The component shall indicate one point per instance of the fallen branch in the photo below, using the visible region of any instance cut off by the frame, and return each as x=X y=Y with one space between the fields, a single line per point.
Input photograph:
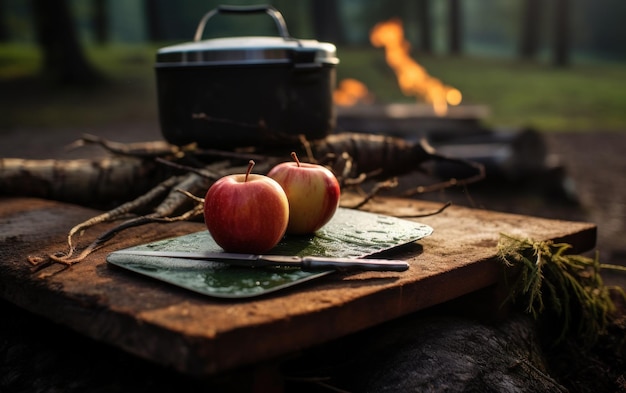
x=149 y=149
x=197 y=210
x=82 y=181
x=173 y=202
x=122 y=210
x=386 y=185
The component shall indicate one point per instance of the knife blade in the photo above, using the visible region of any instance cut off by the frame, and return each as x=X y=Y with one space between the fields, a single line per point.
x=254 y=260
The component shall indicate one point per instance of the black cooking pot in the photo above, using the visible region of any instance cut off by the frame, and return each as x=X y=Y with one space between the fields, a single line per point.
x=246 y=91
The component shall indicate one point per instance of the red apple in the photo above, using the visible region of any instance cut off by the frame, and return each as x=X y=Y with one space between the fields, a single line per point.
x=313 y=193
x=246 y=213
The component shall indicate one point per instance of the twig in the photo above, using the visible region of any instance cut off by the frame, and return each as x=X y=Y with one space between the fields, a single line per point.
x=438 y=211
x=108 y=235
x=122 y=210
x=306 y=145
x=386 y=185
x=204 y=172
x=138 y=149
x=162 y=213
x=245 y=156
x=480 y=175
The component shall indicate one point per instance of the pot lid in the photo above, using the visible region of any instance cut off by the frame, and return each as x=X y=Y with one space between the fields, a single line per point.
x=249 y=50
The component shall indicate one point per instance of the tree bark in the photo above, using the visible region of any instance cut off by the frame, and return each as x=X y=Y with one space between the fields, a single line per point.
x=454 y=27
x=4 y=31
x=561 y=33
x=155 y=32
x=63 y=59
x=433 y=353
x=531 y=18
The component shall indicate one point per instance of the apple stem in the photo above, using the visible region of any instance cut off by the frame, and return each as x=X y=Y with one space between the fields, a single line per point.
x=295 y=157
x=250 y=166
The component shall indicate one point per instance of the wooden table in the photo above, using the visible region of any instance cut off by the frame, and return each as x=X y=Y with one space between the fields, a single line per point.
x=203 y=336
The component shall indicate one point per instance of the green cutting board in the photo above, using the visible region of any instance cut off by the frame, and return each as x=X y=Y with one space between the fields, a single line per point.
x=350 y=233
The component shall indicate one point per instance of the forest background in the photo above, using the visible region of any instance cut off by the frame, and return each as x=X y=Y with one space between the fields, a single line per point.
x=552 y=65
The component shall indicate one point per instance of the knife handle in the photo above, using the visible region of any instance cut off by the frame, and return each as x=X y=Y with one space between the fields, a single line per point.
x=351 y=264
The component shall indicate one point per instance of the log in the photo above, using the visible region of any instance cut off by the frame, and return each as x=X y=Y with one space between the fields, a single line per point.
x=437 y=352
x=506 y=154
x=409 y=120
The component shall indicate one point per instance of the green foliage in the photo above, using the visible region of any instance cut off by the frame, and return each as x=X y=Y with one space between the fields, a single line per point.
x=559 y=289
x=17 y=61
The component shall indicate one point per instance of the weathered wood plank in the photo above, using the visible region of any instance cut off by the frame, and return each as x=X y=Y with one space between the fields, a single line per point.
x=201 y=335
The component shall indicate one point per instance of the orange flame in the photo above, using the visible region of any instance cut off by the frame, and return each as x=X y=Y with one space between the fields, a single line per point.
x=351 y=92
x=412 y=77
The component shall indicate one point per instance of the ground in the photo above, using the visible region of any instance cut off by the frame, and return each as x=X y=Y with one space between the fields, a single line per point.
x=589 y=185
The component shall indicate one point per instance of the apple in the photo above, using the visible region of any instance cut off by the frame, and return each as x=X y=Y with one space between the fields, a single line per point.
x=246 y=213
x=313 y=193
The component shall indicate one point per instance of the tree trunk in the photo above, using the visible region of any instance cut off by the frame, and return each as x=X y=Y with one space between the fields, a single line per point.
x=531 y=19
x=4 y=31
x=423 y=19
x=63 y=59
x=155 y=32
x=454 y=27
x=101 y=22
x=561 y=33
x=327 y=23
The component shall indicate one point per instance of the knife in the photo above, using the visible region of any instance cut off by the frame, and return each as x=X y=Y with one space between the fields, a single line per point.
x=304 y=263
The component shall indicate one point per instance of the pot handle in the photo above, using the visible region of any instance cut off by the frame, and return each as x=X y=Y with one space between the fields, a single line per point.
x=250 y=9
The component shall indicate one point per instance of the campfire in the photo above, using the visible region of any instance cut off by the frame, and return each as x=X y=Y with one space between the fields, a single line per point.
x=437 y=107
x=351 y=92
x=413 y=79
x=437 y=115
